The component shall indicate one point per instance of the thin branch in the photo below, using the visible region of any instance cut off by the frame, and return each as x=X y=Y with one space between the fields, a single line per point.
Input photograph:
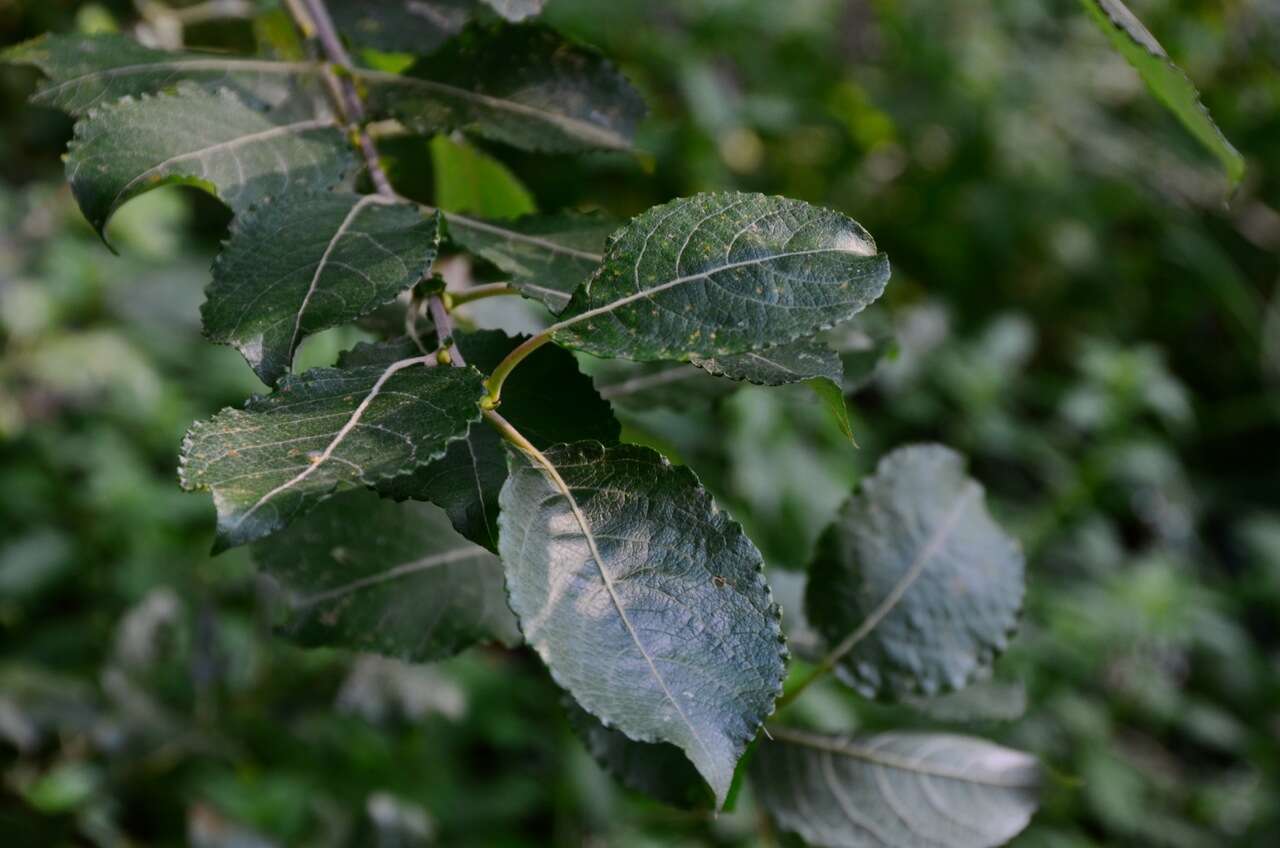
x=444 y=330
x=458 y=298
x=312 y=17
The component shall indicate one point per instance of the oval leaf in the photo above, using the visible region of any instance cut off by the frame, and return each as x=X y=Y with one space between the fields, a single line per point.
x=321 y=431
x=915 y=585
x=895 y=790
x=647 y=603
x=305 y=262
x=520 y=85
x=371 y=575
x=720 y=274
x=209 y=139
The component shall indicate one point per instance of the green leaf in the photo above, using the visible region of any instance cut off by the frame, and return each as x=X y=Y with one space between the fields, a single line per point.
x=211 y=139
x=648 y=604
x=407 y=26
x=305 y=262
x=862 y=344
x=469 y=180
x=1164 y=79
x=371 y=575
x=895 y=790
x=805 y=360
x=658 y=770
x=547 y=256
x=643 y=385
x=320 y=432
x=520 y=85
x=90 y=71
x=720 y=274
x=914 y=584
x=549 y=400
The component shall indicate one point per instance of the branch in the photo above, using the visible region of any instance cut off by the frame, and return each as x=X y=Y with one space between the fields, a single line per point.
x=312 y=17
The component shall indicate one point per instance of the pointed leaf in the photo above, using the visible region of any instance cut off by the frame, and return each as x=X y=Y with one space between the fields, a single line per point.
x=305 y=262
x=656 y=769
x=646 y=602
x=322 y=431
x=210 y=139
x=804 y=360
x=895 y=790
x=88 y=71
x=371 y=575
x=1164 y=79
x=914 y=585
x=469 y=180
x=720 y=274
x=549 y=400
x=547 y=256
x=520 y=85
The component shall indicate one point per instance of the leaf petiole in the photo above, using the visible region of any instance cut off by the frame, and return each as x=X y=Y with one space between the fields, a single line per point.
x=506 y=366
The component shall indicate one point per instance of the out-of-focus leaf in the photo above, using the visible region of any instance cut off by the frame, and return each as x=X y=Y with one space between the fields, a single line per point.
x=895 y=790
x=409 y=26
x=368 y=574
x=1165 y=79
x=914 y=586
x=469 y=180
x=614 y=555
x=520 y=85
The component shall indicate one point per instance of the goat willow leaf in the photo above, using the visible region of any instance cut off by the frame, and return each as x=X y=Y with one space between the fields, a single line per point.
x=806 y=360
x=1164 y=79
x=549 y=400
x=914 y=584
x=371 y=575
x=520 y=85
x=408 y=26
x=547 y=256
x=305 y=262
x=196 y=137
x=720 y=274
x=895 y=790
x=656 y=769
x=647 y=603
x=322 y=431
x=87 y=71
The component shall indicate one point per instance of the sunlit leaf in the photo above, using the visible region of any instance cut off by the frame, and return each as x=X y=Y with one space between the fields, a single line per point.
x=646 y=602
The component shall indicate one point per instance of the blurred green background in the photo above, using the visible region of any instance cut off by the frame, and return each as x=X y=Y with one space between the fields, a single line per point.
x=1077 y=304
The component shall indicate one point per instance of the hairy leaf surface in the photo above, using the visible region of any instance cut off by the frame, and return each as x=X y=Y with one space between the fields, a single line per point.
x=1164 y=79
x=521 y=85
x=547 y=256
x=720 y=274
x=367 y=574
x=88 y=71
x=656 y=769
x=322 y=431
x=305 y=262
x=646 y=602
x=210 y=139
x=914 y=585
x=548 y=400
x=895 y=790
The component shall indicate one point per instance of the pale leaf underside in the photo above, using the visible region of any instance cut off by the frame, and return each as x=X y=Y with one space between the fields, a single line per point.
x=646 y=602
x=895 y=790
x=368 y=574
x=914 y=586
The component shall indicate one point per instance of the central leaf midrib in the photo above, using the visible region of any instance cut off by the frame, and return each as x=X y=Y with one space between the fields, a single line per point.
x=596 y=557
x=395 y=572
